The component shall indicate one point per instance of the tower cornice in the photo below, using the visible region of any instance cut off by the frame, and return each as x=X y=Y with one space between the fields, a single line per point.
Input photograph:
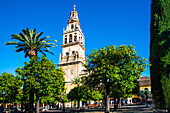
x=66 y=32
x=73 y=43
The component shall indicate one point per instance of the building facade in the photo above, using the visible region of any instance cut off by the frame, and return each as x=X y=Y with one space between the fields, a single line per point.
x=72 y=58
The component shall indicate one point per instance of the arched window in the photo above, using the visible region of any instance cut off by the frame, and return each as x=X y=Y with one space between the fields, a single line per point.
x=72 y=26
x=65 y=40
x=81 y=40
x=67 y=54
x=75 y=38
x=73 y=52
x=70 y=38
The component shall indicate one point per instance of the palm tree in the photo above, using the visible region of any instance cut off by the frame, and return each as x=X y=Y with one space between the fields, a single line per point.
x=31 y=43
x=77 y=81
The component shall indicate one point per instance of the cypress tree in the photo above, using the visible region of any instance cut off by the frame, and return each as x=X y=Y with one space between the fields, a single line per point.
x=159 y=48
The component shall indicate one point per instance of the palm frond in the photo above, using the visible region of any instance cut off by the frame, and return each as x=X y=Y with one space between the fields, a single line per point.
x=35 y=30
x=31 y=36
x=44 y=38
x=48 y=51
x=34 y=36
x=44 y=47
x=38 y=36
x=24 y=31
x=17 y=37
x=26 y=49
x=42 y=53
x=30 y=40
x=50 y=40
x=28 y=32
x=20 y=49
x=25 y=38
x=26 y=54
x=44 y=43
x=11 y=43
x=20 y=45
x=52 y=44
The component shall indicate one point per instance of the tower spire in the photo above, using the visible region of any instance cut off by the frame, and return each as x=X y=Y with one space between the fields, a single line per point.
x=74 y=7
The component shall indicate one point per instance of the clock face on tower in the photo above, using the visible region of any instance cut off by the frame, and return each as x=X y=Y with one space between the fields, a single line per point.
x=72 y=71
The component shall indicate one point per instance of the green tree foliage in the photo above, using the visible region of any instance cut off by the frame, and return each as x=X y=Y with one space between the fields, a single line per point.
x=84 y=93
x=41 y=77
x=114 y=67
x=159 y=48
x=12 y=85
x=31 y=43
x=166 y=79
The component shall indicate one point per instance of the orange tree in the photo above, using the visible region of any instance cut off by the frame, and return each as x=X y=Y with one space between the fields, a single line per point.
x=113 y=65
x=45 y=81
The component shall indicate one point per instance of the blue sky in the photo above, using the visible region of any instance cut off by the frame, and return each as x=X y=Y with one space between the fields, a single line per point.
x=103 y=22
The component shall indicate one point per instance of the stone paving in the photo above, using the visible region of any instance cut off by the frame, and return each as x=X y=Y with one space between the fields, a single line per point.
x=132 y=108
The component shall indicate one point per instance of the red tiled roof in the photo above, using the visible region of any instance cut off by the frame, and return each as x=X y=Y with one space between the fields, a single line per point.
x=145 y=81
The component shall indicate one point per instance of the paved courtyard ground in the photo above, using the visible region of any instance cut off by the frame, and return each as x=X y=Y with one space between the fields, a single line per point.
x=132 y=108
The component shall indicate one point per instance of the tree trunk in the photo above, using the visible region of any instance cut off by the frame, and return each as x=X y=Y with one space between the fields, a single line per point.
x=71 y=104
x=32 y=52
x=120 y=102
x=78 y=106
x=31 y=102
x=115 y=105
x=117 y=102
x=63 y=104
x=107 y=99
x=37 y=103
x=26 y=107
x=48 y=106
x=63 y=107
x=17 y=106
x=22 y=106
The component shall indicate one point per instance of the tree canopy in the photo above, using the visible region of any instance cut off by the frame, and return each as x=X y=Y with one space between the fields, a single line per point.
x=159 y=50
x=116 y=67
x=41 y=76
x=31 y=43
x=12 y=86
x=84 y=93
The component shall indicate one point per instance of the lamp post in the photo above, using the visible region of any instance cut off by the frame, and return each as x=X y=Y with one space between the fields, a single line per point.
x=3 y=94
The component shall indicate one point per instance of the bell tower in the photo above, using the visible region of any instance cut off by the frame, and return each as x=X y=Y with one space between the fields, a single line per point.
x=72 y=58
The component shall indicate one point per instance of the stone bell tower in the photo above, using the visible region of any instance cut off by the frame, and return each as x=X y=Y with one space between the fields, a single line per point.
x=72 y=58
